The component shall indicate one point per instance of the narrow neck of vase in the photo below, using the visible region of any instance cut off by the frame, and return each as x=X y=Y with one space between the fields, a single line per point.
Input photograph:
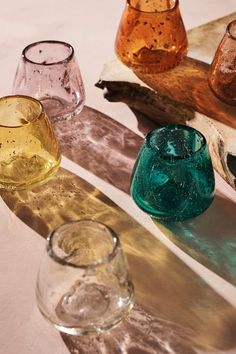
x=153 y=5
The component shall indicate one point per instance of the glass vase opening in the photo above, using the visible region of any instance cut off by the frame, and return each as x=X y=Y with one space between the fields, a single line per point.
x=231 y=29
x=82 y=244
x=153 y=5
x=173 y=143
x=40 y=53
x=17 y=111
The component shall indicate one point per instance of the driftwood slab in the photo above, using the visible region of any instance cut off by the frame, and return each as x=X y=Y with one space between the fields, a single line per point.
x=182 y=95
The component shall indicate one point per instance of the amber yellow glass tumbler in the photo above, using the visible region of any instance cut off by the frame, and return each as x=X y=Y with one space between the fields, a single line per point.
x=29 y=152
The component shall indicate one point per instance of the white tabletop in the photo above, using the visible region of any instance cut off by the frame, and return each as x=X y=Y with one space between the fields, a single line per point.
x=90 y=26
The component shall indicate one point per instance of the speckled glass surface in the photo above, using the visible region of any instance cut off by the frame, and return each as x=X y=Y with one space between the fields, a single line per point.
x=173 y=178
x=222 y=74
x=49 y=71
x=151 y=36
x=29 y=151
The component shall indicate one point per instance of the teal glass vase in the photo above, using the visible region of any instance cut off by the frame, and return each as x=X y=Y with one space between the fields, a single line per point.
x=173 y=177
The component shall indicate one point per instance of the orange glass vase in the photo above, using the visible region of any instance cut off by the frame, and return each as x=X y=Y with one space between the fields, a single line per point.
x=222 y=74
x=151 y=36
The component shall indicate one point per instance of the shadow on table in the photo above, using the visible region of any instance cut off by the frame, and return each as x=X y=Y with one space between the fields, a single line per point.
x=140 y=333
x=101 y=145
x=176 y=311
x=177 y=304
x=209 y=238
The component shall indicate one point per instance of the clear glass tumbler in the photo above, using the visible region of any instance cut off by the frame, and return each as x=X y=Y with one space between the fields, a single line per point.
x=222 y=74
x=83 y=285
x=173 y=177
x=151 y=37
x=49 y=71
x=29 y=152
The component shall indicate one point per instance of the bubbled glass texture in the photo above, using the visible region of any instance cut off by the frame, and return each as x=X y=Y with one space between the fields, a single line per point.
x=173 y=177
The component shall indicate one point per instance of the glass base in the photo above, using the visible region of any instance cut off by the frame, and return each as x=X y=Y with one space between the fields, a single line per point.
x=89 y=309
x=178 y=216
x=58 y=109
x=83 y=331
x=226 y=99
x=34 y=182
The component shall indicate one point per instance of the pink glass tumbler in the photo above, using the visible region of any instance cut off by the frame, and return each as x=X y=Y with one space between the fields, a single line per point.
x=49 y=71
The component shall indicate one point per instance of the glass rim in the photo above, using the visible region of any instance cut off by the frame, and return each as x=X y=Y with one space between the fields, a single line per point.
x=152 y=12
x=228 y=30
x=100 y=261
x=179 y=127
x=66 y=60
x=28 y=98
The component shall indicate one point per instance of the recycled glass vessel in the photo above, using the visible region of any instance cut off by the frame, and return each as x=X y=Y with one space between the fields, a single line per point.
x=222 y=75
x=151 y=36
x=29 y=152
x=83 y=285
x=49 y=71
x=173 y=178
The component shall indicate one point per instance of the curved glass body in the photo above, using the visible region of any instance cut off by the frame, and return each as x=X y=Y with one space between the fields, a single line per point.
x=173 y=178
x=49 y=71
x=222 y=75
x=151 y=36
x=29 y=152
x=83 y=285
